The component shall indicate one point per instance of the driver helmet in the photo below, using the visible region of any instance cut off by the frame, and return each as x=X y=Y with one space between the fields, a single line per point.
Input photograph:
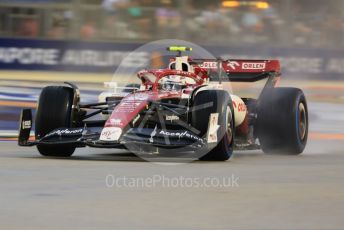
x=171 y=83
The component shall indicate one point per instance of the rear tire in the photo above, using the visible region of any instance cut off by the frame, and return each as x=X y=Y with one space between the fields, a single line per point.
x=282 y=123
x=222 y=105
x=54 y=111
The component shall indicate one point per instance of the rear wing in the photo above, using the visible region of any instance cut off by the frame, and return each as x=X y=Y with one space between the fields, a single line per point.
x=240 y=70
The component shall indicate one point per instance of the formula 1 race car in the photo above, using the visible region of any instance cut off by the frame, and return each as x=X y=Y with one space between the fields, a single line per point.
x=183 y=108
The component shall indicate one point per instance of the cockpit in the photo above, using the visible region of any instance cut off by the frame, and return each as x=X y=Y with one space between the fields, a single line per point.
x=172 y=83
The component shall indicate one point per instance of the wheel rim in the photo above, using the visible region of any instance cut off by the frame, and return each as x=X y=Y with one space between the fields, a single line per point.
x=302 y=121
x=229 y=127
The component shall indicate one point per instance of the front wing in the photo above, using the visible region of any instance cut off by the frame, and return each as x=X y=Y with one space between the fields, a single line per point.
x=84 y=136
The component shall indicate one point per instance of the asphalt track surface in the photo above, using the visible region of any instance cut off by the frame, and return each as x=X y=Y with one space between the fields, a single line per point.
x=270 y=192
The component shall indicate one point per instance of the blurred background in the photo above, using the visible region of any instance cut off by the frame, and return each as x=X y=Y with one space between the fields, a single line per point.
x=287 y=23
x=50 y=41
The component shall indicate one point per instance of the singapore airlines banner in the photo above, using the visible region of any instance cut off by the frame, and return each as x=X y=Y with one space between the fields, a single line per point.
x=31 y=54
x=27 y=54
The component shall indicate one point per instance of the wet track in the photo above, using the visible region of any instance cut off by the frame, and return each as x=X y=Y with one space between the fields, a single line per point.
x=273 y=192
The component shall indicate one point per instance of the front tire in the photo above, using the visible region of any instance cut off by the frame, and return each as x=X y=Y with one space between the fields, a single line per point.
x=282 y=123
x=54 y=111
x=221 y=104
